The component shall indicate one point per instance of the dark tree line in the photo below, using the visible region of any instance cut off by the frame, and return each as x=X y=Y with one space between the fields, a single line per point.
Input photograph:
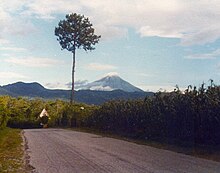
x=192 y=117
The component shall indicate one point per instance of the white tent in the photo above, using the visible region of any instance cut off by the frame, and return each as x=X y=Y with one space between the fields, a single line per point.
x=44 y=113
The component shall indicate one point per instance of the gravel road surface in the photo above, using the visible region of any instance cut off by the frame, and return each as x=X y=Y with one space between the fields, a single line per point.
x=66 y=151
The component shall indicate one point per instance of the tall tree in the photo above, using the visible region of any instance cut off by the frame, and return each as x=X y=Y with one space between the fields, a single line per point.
x=73 y=33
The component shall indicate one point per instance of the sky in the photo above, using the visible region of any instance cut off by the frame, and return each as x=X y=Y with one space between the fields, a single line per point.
x=153 y=44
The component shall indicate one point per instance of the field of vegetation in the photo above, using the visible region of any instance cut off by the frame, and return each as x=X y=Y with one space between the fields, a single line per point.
x=11 y=151
x=190 y=118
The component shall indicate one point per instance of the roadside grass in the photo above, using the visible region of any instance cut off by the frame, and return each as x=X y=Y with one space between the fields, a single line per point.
x=11 y=152
x=205 y=152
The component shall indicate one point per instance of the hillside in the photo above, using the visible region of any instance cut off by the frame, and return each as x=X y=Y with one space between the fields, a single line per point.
x=33 y=90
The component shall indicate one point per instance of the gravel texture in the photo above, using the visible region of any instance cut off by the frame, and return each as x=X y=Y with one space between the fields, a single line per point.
x=66 y=151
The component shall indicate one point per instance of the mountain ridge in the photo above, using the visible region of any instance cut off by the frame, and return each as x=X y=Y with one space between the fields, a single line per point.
x=36 y=90
x=110 y=83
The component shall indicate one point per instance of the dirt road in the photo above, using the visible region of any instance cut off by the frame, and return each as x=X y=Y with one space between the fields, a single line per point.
x=65 y=151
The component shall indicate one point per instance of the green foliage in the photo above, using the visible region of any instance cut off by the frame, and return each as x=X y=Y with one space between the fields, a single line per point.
x=75 y=32
x=24 y=113
x=191 y=116
x=3 y=121
x=21 y=123
x=76 y=115
x=4 y=112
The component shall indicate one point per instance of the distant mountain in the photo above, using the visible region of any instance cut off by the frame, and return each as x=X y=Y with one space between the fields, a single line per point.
x=5 y=92
x=110 y=83
x=21 y=88
x=33 y=90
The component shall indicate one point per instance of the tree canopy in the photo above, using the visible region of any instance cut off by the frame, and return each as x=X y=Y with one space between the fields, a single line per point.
x=76 y=32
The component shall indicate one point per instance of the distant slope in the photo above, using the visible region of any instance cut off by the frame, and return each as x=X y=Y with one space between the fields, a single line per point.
x=99 y=97
x=6 y=92
x=35 y=90
x=32 y=90
x=110 y=83
x=21 y=88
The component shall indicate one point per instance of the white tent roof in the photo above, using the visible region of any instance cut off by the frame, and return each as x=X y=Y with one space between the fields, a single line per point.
x=44 y=113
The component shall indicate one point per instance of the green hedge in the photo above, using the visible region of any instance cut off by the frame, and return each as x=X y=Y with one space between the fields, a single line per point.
x=23 y=123
x=192 y=116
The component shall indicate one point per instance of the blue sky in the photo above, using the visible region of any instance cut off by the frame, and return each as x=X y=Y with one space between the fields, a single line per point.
x=152 y=44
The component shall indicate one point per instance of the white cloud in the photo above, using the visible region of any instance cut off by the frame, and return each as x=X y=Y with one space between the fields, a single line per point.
x=211 y=55
x=148 y=31
x=34 y=61
x=48 y=9
x=193 y=22
x=6 y=54
x=77 y=84
x=110 y=32
x=218 y=68
x=100 y=67
x=156 y=88
x=12 y=75
x=12 y=23
x=15 y=49
x=111 y=74
x=201 y=36
x=4 y=41
x=56 y=85
x=146 y=75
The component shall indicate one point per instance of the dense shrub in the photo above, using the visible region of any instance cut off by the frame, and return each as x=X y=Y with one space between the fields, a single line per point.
x=24 y=113
x=192 y=116
x=23 y=123
x=3 y=121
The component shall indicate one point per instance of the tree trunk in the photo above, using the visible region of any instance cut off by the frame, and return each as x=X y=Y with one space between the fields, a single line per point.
x=73 y=71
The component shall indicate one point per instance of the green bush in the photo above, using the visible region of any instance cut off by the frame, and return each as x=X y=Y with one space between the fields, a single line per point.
x=3 y=121
x=192 y=116
x=23 y=123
